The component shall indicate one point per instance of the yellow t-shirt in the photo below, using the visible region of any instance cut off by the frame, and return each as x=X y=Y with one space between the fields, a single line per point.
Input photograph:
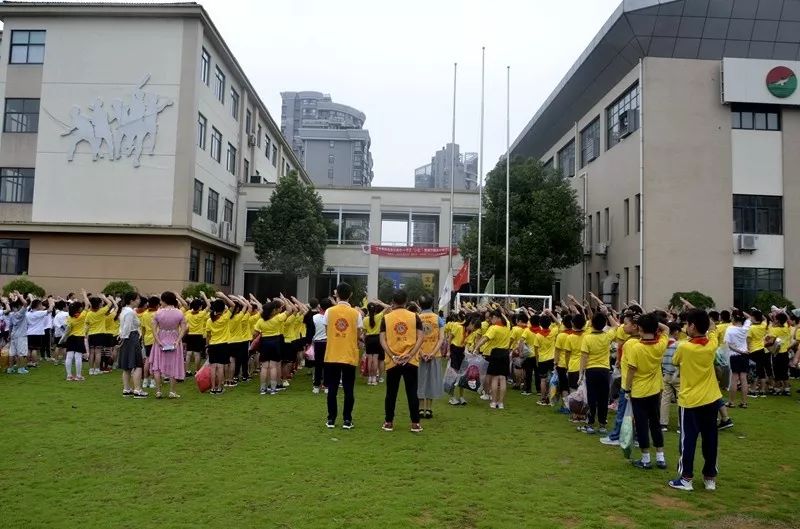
x=498 y=337
x=721 y=328
x=373 y=330
x=196 y=321
x=573 y=346
x=470 y=339
x=456 y=334
x=77 y=325
x=755 y=336
x=699 y=384
x=646 y=356
x=562 y=341
x=623 y=364
x=272 y=326
x=291 y=327
x=251 y=323
x=621 y=335
x=112 y=324
x=516 y=334
x=243 y=332
x=218 y=331
x=430 y=331
x=146 y=321
x=342 y=333
x=546 y=343
x=96 y=321
x=785 y=335
x=597 y=345
x=400 y=327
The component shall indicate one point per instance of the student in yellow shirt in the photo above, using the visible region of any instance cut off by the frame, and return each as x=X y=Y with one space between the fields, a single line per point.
x=560 y=356
x=344 y=326
x=240 y=341
x=293 y=332
x=151 y=305
x=109 y=354
x=496 y=340
x=462 y=335
x=755 y=346
x=781 y=330
x=76 y=339
x=429 y=382
x=268 y=331
x=524 y=346
x=195 y=339
x=699 y=400
x=573 y=349
x=217 y=336
x=595 y=368
x=545 y=346
x=372 y=340
x=644 y=383
x=520 y=363
x=96 y=339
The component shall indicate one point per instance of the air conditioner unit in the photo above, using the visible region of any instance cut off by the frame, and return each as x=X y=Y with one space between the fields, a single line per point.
x=251 y=140
x=214 y=227
x=746 y=243
x=225 y=231
x=601 y=248
x=627 y=123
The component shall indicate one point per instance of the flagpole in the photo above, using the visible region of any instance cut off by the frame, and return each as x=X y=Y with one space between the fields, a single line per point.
x=452 y=176
x=508 y=162
x=480 y=172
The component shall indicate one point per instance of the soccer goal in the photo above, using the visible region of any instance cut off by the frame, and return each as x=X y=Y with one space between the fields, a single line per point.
x=511 y=301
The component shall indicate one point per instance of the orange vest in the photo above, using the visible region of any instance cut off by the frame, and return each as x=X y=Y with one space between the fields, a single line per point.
x=401 y=334
x=430 y=329
x=342 y=347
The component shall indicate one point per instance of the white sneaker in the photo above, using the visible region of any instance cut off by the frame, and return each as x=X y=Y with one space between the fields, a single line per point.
x=501 y=406
x=492 y=404
x=453 y=401
x=326 y=391
x=486 y=396
x=152 y=384
x=315 y=390
x=462 y=401
x=285 y=383
x=681 y=484
x=609 y=442
x=380 y=380
x=710 y=484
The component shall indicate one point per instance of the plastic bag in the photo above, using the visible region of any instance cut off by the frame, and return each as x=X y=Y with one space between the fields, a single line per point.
x=203 y=378
x=451 y=376
x=721 y=358
x=308 y=354
x=553 y=389
x=474 y=369
x=626 y=433
x=577 y=401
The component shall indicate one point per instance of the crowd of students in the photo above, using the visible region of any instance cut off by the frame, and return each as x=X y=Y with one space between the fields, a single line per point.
x=584 y=359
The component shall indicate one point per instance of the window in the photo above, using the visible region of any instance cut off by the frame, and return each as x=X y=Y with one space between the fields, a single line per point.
x=597 y=223
x=194 y=264
x=248 y=122
x=355 y=228
x=755 y=117
x=589 y=230
x=590 y=142
x=246 y=168
x=14 y=255
x=255 y=178
x=626 y=211
x=211 y=265
x=21 y=115
x=258 y=137
x=274 y=155
x=197 y=204
x=566 y=159
x=230 y=161
x=219 y=85
x=758 y=214
x=332 y=226
x=225 y=271
x=638 y=291
x=252 y=217
x=205 y=66
x=627 y=285
x=216 y=144
x=619 y=121
x=16 y=185
x=607 y=220
x=267 y=142
x=227 y=211
x=235 y=104
x=331 y=159
x=213 y=204
x=589 y=282
x=548 y=165
x=27 y=47
x=286 y=169
x=460 y=229
x=638 y=212
x=202 y=125
x=749 y=282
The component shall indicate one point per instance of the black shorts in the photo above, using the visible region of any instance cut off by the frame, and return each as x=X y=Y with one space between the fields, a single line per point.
x=240 y=349
x=456 y=357
x=76 y=344
x=35 y=342
x=780 y=365
x=288 y=351
x=572 y=379
x=98 y=340
x=498 y=363
x=269 y=349
x=219 y=354
x=563 y=383
x=543 y=369
x=763 y=363
x=372 y=344
x=195 y=343
x=739 y=363
x=147 y=349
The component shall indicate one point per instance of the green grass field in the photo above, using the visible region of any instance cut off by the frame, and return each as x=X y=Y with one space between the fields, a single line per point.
x=79 y=455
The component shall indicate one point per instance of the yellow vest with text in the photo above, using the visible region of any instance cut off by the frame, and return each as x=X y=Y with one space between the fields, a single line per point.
x=401 y=334
x=342 y=331
x=430 y=330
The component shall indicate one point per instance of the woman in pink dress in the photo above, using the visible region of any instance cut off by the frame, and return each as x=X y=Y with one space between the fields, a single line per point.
x=166 y=358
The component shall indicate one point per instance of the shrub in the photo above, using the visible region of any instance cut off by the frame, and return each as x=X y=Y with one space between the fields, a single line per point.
x=765 y=300
x=698 y=299
x=118 y=288
x=23 y=286
x=193 y=291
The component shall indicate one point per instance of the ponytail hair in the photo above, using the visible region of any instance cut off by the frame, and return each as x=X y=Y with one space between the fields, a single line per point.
x=269 y=308
x=216 y=309
x=372 y=308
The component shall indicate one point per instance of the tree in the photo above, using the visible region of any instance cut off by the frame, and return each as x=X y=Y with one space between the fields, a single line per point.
x=24 y=286
x=415 y=288
x=193 y=291
x=545 y=230
x=385 y=289
x=764 y=301
x=698 y=299
x=118 y=288
x=359 y=285
x=289 y=234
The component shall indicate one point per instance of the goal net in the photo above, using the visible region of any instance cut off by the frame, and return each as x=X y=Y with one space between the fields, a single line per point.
x=511 y=301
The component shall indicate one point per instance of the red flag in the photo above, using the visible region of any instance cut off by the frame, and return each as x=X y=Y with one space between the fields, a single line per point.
x=462 y=277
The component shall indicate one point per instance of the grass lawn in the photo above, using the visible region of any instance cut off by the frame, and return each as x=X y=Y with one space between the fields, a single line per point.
x=79 y=455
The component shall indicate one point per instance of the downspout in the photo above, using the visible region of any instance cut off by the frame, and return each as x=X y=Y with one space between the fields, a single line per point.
x=641 y=183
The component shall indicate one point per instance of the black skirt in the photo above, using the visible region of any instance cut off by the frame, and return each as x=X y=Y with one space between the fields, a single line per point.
x=130 y=352
x=195 y=343
x=498 y=363
x=76 y=344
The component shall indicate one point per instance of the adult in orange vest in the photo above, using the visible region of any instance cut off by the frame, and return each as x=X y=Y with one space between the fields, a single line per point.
x=401 y=339
x=344 y=324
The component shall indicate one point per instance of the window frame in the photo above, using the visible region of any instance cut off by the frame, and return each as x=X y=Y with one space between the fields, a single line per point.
x=20 y=251
x=210 y=258
x=24 y=101
x=565 y=150
x=274 y=155
x=749 y=113
x=744 y=295
x=225 y=268
x=197 y=199
x=268 y=145
x=230 y=159
x=234 y=104
x=590 y=132
x=202 y=130
x=205 y=67
x=194 y=264
x=24 y=187
x=216 y=138
x=219 y=84
x=638 y=212
x=227 y=211
x=630 y=99
x=751 y=212
x=212 y=213
x=626 y=207
x=27 y=45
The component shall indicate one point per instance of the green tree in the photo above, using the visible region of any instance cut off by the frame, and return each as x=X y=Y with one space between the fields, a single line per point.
x=764 y=302
x=24 y=286
x=545 y=227
x=385 y=289
x=193 y=291
x=698 y=299
x=118 y=288
x=289 y=234
x=415 y=288
x=359 y=285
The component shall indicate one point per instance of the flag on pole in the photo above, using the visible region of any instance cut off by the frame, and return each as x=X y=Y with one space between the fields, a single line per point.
x=462 y=276
x=489 y=290
x=447 y=292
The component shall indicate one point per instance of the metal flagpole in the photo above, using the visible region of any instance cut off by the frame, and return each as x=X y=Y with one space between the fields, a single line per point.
x=508 y=162
x=452 y=175
x=480 y=172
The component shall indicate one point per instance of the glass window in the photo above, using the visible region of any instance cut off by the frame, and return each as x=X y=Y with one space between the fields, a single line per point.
x=216 y=144
x=548 y=165
x=425 y=230
x=255 y=178
x=235 y=104
x=219 y=85
x=460 y=228
x=194 y=264
x=258 y=137
x=332 y=226
x=589 y=233
x=758 y=214
x=197 y=203
x=16 y=185
x=27 y=47
x=607 y=223
x=626 y=212
x=590 y=142
x=286 y=169
x=248 y=121
x=638 y=212
x=355 y=228
x=749 y=282
x=14 y=254
x=267 y=143
x=202 y=125
x=21 y=115
x=619 y=121
x=566 y=159
x=227 y=211
x=755 y=117
x=211 y=265
x=274 y=155
x=213 y=204
x=205 y=67
x=225 y=271
x=252 y=216
x=246 y=168
x=230 y=161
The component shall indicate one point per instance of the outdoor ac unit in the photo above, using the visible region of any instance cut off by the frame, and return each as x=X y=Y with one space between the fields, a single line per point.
x=627 y=123
x=225 y=231
x=251 y=140
x=601 y=248
x=746 y=243
x=214 y=227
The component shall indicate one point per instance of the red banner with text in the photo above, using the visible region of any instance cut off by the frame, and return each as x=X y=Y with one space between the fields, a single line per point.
x=411 y=251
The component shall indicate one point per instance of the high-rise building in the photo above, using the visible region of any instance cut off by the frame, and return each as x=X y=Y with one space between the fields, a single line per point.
x=436 y=175
x=328 y=138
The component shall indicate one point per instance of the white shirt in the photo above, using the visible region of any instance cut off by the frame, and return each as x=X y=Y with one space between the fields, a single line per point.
x=360 y=324
x=128 y=322
x=60 y=323
x=320 y=328
x=736 y=336
x=37 y=321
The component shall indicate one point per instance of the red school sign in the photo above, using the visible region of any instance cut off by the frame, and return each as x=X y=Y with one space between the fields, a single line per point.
x=411 y=251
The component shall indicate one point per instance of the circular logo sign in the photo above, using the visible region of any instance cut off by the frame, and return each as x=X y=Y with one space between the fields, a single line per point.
x=341 y=325
x=427 y=329
x=400 y=328
x=781 y=82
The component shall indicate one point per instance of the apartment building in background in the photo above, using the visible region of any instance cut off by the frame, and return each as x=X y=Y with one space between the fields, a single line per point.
x=436 y=175
x=328 y=138
x=678 y=127
x=122 y=154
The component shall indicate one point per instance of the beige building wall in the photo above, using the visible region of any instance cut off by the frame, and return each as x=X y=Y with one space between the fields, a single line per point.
x=791 y=206
x=687 y=166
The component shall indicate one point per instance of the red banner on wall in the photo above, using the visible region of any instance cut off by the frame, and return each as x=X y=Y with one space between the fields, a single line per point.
x=411 y=251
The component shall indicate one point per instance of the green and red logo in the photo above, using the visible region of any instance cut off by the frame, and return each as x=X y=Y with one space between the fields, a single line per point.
x=781 y=82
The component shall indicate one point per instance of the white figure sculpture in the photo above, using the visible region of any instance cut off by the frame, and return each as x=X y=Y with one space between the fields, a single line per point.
x=83 y=131
x=98 y=117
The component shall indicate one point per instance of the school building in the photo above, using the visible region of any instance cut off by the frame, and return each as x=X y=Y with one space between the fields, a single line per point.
x=678 y=127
